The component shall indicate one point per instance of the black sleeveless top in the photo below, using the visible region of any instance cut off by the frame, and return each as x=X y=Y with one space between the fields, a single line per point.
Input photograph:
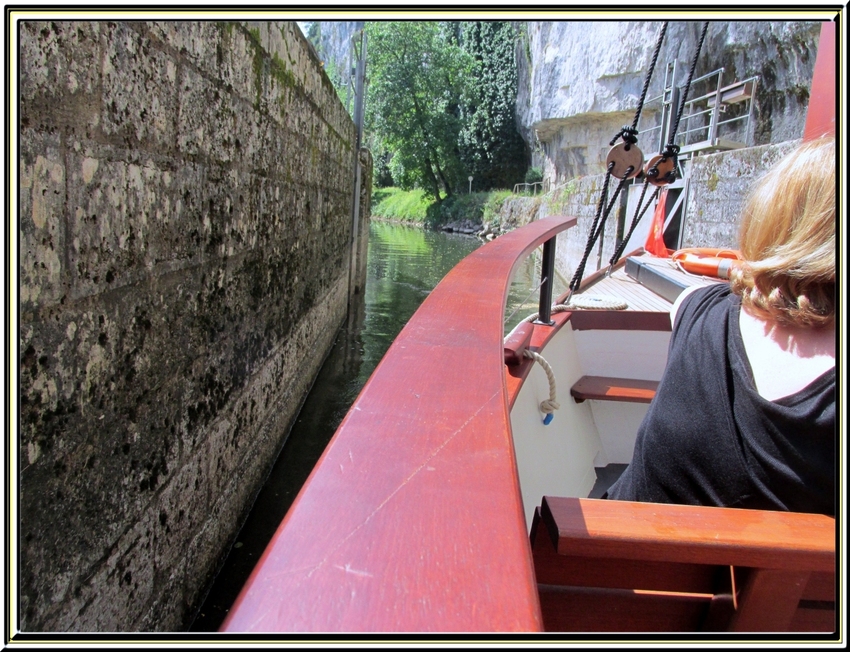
x=709 y=438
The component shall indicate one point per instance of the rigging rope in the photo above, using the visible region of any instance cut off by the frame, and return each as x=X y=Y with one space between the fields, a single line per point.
x=649 y=75
x=688 y=83
x=591 y=238
x=670 y=151
x=629 y=136
x=638 y=215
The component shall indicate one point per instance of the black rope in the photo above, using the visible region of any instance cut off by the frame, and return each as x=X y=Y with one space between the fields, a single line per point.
x=687 y=86
x=670 y=151
x=629 y=135
x=649 y=75
x=598 y=227
x=623 y=182
x=576 y=280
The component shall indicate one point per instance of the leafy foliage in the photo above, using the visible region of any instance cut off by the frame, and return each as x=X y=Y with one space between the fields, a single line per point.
x=441 y=105
x=533 y=175
x=415 y=73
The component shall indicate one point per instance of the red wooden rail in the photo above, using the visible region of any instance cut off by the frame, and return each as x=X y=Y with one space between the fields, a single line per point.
x=412 y=519
x=820 y=118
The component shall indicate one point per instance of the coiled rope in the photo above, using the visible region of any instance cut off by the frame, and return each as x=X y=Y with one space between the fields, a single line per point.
x=586 y=302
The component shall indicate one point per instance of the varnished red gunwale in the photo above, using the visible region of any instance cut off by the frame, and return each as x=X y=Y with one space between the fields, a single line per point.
x=820 y=117
x=412 y=520
x=708 y=535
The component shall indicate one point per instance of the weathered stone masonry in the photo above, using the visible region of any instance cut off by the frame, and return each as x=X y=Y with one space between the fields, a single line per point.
x=184 y=213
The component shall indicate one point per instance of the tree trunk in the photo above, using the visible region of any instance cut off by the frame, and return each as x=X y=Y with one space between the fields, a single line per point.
x=443 y=179
x=434 y=182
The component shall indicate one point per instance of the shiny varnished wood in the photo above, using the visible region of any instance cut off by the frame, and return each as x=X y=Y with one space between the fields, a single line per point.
x=820 y=117
x=412 y=519
x=688 y=533
x=604 y=388
x=667 y=567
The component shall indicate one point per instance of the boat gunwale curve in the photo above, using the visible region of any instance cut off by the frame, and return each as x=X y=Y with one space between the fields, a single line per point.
x=412 y=524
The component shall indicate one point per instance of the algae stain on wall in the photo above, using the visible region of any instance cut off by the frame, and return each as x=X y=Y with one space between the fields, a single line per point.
x=176 y=301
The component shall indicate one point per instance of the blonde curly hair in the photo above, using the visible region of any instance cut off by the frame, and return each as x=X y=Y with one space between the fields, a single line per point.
x=787 y=238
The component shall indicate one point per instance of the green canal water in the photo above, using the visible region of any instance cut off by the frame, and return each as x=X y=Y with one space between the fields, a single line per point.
x=404 y=264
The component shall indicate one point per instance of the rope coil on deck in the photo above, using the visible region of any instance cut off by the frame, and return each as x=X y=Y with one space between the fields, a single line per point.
x=551 y=404
x=586 y=302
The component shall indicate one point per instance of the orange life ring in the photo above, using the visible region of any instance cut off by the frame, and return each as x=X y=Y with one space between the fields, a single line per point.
x=717 y=263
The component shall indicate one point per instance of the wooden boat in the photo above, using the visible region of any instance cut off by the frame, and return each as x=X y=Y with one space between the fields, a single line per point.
x=444 y=504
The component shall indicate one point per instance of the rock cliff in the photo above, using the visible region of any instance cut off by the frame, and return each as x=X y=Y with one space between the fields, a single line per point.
x=579 y=82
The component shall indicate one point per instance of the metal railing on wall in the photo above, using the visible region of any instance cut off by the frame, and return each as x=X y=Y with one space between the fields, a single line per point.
x=715 y=117
x=532 y=188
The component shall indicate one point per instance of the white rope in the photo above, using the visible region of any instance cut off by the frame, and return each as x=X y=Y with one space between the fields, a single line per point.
x=551 y=404
x=586 y=302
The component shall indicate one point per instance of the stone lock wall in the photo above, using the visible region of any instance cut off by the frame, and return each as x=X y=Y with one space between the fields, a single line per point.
x=719 y=186
x=185 y=223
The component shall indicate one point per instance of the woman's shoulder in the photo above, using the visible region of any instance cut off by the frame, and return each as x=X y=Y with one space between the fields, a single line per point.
x=699 y=298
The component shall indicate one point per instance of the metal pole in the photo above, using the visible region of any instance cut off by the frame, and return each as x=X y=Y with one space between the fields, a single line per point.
x=359 y=92
x=544 y=312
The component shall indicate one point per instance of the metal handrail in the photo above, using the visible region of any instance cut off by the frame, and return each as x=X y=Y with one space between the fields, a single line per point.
x=699 y=106
x=534 y=185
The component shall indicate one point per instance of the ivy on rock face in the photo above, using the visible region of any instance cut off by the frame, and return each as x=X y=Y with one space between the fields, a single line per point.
x=490 y=145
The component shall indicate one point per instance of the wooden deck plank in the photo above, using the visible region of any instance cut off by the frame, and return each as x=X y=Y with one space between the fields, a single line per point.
x=621 y=286
x=638 y=297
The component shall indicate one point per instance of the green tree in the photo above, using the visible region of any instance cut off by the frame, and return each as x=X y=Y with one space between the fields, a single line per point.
x=416 y=73
x=491 y=148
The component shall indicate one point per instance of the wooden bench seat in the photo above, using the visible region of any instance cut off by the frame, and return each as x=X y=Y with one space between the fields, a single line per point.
x=605 y=388
x=619 y=566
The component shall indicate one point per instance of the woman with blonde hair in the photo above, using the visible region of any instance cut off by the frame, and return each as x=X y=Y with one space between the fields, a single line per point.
x=745 y=413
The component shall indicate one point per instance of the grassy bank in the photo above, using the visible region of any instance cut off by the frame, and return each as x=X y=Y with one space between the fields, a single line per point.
x=415 y=208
